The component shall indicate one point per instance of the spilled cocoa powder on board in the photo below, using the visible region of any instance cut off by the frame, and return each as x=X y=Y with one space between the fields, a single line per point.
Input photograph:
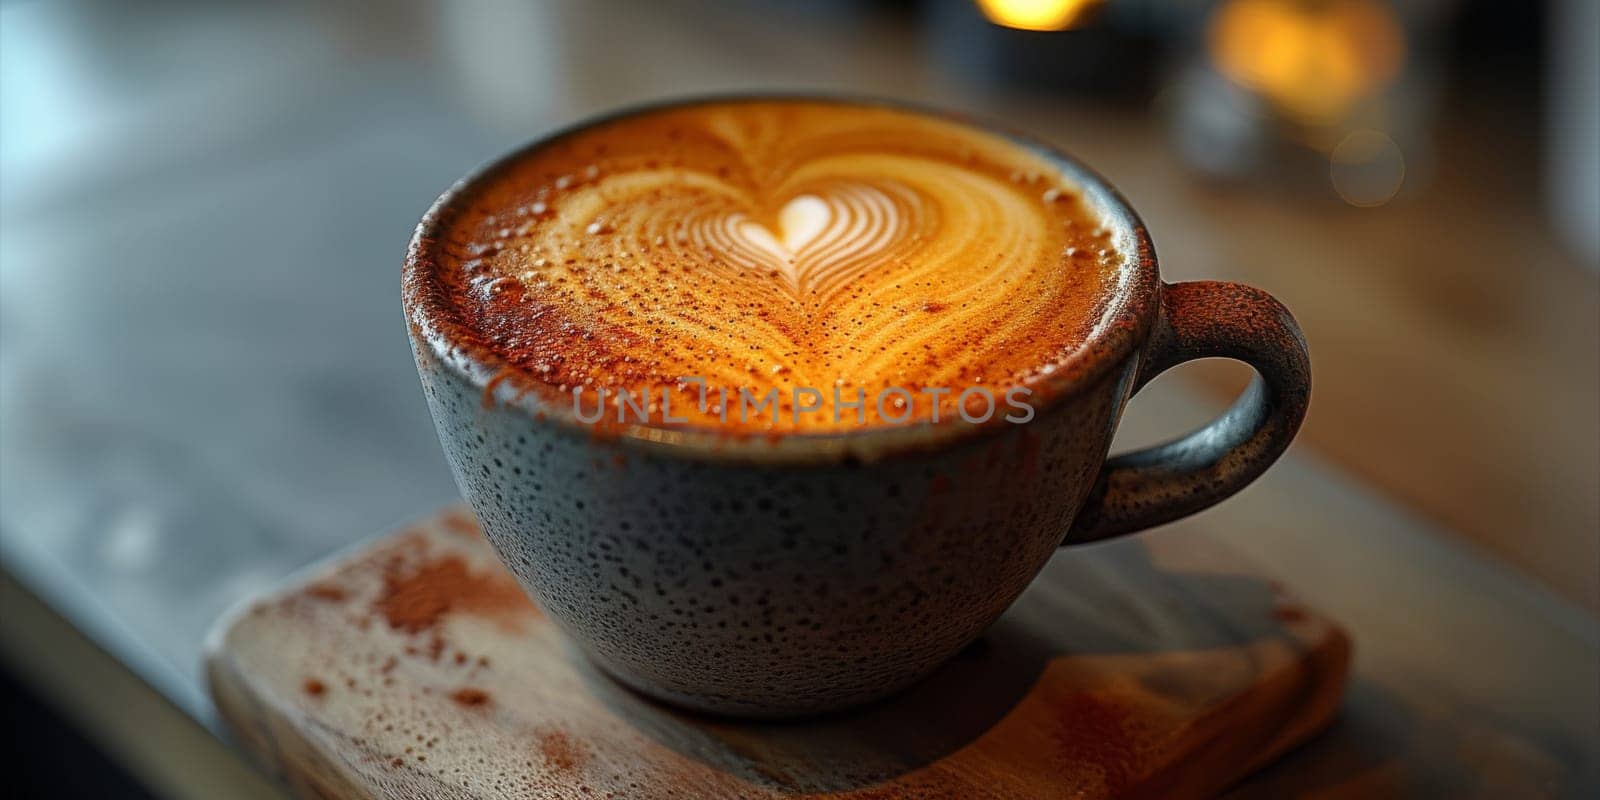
x=461 y=523
x=1289 y=614
x=1104 y=734
x=468 y=696
x=415 y=599
x=326 y=591
x=560 y=751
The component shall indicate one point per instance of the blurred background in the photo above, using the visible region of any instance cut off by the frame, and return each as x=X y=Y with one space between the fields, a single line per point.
x=204 y=381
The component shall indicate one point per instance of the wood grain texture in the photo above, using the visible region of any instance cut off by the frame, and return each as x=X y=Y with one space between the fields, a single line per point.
x=1125 y=671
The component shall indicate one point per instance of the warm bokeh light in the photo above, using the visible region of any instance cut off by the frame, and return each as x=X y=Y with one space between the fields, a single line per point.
x=1367 y=168
x=1312 y=58
x=1038 y=15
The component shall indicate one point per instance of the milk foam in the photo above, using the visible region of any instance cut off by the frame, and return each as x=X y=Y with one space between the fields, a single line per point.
x=819 y=241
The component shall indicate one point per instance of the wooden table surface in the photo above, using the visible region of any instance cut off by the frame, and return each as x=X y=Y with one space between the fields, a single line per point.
x=1142 y=668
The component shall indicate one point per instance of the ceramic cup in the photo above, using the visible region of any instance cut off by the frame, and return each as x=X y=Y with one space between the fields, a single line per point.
x=789 y=576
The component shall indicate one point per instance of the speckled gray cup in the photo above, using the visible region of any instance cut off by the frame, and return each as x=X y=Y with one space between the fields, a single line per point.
x=810 y=573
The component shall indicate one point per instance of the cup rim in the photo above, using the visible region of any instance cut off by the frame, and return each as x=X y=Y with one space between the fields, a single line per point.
x=1124 y=324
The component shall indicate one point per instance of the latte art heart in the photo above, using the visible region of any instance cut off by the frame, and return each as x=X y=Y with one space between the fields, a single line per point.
x=781 y=245
x=820 y=243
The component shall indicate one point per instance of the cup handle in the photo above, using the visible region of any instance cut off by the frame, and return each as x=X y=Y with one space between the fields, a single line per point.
x=1206 y=319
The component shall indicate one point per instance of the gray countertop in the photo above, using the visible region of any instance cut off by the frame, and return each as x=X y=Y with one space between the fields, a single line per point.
x=204 y=380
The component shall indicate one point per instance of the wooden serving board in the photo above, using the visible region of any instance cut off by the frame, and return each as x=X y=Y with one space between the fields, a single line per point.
x=414 y=667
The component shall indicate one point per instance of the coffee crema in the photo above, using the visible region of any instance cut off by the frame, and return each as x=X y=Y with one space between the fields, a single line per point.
x=850 y=255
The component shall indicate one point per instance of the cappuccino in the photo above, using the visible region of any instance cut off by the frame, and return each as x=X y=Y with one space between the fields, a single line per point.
x=779 y=267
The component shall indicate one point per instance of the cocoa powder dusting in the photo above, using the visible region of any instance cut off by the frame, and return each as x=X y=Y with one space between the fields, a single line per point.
x=415 y=600
x=1289 y=614
x=326 y=591
x=468 y=696
x=1101 y=734
x=513 y=294
x=461 y=523
x=560 y=751
x=435 y=647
